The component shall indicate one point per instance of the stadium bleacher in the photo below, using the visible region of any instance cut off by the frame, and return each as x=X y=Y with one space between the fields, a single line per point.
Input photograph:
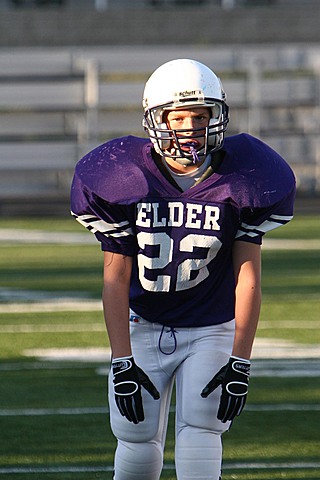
x=57 y=103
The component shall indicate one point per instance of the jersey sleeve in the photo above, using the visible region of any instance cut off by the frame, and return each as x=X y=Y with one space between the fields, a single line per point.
x=255 y=223
x=110 y=223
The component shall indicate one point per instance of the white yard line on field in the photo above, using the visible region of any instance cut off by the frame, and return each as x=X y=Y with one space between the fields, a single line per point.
x=45 y=412
x=97 y=327
x=264 y=348
x=108 y=468
x=88 y=354
x=99 y=359
x=11 y=236
x=53 y=328
x=290 y=244
x=290 y=324
x=52 y=306
x=272 y=348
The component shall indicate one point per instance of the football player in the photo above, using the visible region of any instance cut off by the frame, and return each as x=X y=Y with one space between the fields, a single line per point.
x=180 y=217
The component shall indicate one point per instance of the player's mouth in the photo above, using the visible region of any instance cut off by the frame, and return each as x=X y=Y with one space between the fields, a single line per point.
x=190 y=145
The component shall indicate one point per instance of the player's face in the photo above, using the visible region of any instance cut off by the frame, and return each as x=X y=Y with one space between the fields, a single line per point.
x=189 y=120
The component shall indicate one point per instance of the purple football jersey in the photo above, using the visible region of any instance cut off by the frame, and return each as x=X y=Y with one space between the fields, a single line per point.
x=181 y=241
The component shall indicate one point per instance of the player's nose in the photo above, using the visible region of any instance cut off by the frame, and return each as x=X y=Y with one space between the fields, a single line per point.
x=188 y=124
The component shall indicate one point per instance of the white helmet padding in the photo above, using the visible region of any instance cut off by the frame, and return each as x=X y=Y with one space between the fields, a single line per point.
x=182 y=84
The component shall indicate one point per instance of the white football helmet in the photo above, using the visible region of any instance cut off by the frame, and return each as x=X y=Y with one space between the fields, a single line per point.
x=182 y=84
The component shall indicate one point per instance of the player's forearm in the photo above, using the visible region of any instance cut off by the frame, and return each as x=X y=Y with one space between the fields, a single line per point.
x=116 y=314
x=247 y=269
x=115 y=296
x=247 y=317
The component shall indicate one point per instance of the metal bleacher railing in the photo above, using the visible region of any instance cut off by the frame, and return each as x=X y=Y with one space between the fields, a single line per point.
x=56 y=104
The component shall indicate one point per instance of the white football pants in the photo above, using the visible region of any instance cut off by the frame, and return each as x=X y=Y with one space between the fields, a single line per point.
x=191 y=357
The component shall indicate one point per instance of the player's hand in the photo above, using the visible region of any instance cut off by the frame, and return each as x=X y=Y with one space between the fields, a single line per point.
x=234 y=379
x=127 y=380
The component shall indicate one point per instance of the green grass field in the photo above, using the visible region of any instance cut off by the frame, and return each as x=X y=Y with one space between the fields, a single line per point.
x=53 y=411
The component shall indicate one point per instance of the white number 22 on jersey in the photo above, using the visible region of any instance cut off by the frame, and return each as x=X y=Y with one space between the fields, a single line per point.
x=190 y=271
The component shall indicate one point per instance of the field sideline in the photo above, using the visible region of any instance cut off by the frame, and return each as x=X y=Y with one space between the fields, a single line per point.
x=54 y=359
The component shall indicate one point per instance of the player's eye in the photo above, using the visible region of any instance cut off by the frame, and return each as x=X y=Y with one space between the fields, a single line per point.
x=202 y=118
x=177 y=119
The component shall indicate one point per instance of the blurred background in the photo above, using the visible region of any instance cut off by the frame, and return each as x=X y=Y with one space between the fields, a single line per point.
x=72 y=74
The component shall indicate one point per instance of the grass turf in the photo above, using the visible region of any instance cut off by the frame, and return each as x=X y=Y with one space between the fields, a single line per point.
x=291 y=301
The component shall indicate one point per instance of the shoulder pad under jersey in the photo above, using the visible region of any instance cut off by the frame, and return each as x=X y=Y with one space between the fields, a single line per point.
x=114 y=171
x=256 y=175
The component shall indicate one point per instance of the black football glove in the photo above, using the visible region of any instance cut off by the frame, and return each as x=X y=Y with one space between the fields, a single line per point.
x=127 y=380
x=234 y=379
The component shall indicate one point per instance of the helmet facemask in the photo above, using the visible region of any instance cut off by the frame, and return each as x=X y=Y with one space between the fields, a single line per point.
x=170 y=142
